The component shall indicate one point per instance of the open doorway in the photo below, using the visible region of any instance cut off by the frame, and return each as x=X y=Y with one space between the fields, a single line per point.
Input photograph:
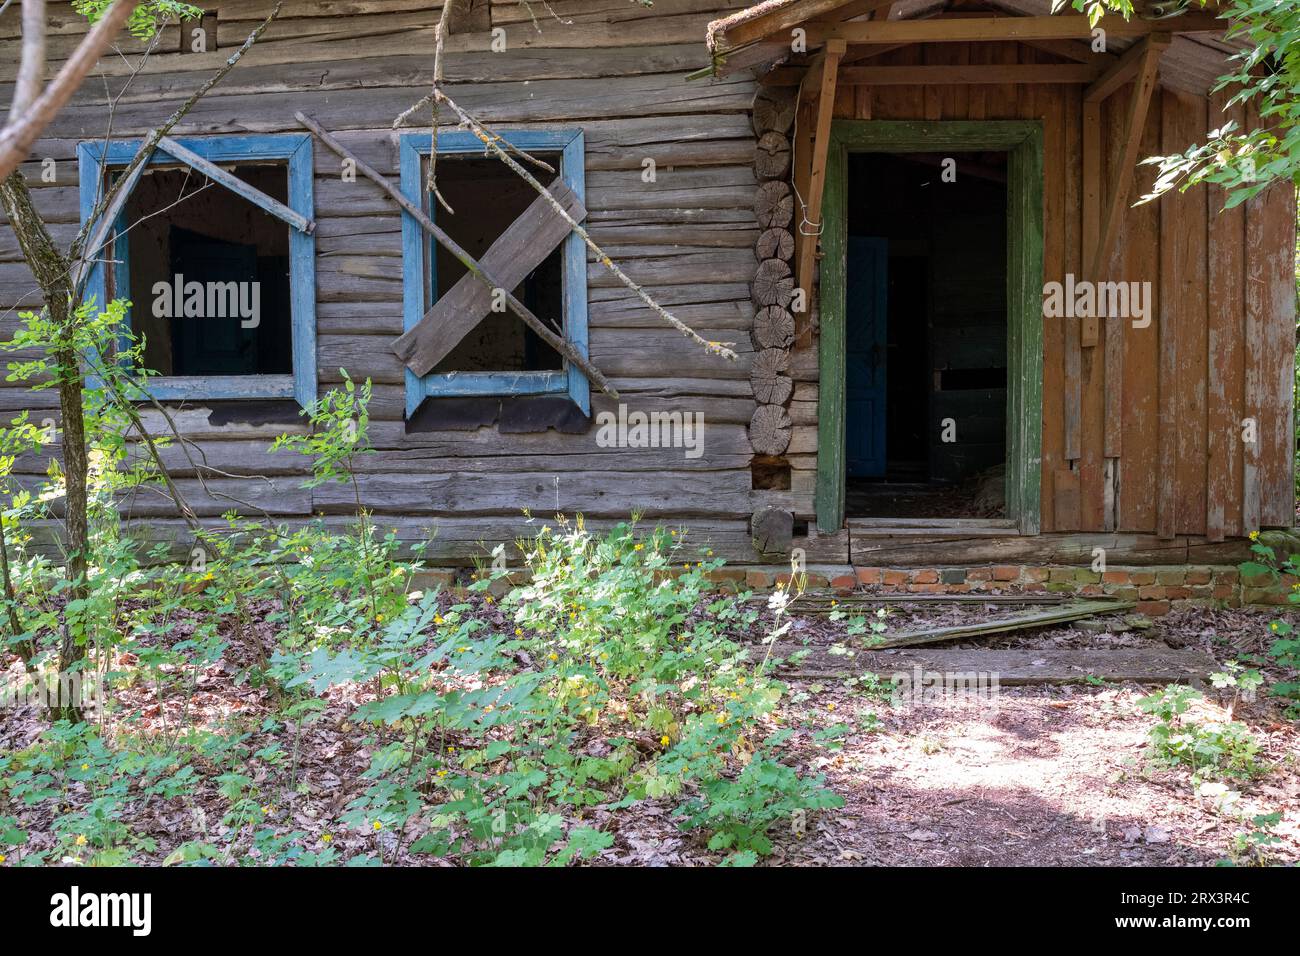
x=925 y=335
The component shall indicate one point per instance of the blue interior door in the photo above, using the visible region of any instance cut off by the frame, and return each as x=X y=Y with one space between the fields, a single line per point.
x=864 y=364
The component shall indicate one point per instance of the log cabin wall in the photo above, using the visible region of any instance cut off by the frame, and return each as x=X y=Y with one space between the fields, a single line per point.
x=615 y=70
x=1163 y=411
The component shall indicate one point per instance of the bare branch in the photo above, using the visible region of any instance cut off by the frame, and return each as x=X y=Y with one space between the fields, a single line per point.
x=18 y=136
x=31 y=69
x=151 y=141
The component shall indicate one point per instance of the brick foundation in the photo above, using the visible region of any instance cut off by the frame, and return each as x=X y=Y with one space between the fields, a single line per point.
x=1155 y=589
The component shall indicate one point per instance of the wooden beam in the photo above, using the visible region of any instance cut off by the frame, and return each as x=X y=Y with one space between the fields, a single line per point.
x=961 y=30
x=816 y=75
x=811 y=217
x=1125 y=68
x=777 y=21
x=237 y=185
x=1076 y=50
x=1121 y=182
x=1015 y=74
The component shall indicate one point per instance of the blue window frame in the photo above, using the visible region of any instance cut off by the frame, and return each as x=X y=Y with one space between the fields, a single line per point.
x=296 y=149
x=417 y=280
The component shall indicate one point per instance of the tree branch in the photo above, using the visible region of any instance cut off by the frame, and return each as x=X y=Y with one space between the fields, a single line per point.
x=19 y=136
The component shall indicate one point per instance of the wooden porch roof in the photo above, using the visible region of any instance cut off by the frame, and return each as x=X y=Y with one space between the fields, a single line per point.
x=757 y=36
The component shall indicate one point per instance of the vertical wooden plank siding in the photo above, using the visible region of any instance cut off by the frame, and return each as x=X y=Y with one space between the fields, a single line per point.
x=1271 y=218
x=1092 y=364
x=1139 y=243
x=1170 y=294
x=1225 y=254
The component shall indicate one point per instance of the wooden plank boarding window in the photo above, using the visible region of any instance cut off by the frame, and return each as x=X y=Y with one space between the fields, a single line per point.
x=228 y=213
x=460 y=342
x=1023 y=142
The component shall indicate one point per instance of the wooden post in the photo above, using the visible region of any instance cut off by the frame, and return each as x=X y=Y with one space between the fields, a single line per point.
x=810 y=222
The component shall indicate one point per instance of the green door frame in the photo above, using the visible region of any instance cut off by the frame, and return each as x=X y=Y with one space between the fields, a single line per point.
x=1023 y=141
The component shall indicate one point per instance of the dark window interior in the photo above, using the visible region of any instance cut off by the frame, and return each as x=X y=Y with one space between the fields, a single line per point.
x=182 y=224
x=487 y=197
x=945 y=336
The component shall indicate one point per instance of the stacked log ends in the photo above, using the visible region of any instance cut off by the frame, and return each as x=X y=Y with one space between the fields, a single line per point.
x=772 y=291
x=774 y=205
x=773 y=109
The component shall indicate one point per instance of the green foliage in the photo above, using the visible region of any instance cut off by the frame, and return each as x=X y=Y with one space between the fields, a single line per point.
x=1267 y=75
x=1208 y=747
x=1284 y=651
x=147 y=18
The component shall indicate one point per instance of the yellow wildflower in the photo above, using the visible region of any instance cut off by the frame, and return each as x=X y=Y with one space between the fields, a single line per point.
x=1254 y=536
x=552 y=656
x=664 y=740
x=326 y=837
x=2 y=858
x=81 y=839
x=85 y=766
x=437 y=619
x=378 y=825
x=379 y=617
x=830 y=706
x=519 y=632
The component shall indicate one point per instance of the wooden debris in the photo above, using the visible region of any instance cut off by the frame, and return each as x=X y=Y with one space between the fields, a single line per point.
x=1070 y=612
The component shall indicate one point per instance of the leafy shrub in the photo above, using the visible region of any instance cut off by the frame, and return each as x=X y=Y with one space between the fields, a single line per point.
x=1223 y=747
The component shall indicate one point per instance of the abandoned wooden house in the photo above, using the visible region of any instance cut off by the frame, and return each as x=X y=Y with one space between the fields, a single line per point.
x=958 y=340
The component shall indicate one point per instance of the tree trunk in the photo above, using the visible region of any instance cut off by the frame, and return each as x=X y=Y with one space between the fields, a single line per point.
x=51 y=270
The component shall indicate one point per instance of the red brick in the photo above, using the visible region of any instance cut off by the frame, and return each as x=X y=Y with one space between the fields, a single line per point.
x=1153 y=608
x=1142 y=577
x=1037 y=575
x=1168 y=576
x=1152 y=592
x=1115 y=577
x=844 y=582
x=1178 y=594
x=1198 y=576
x=1226 y=576
x=927 y=576
x=926 y=588
x=1223 y=592
x=1092 y=590
x=893 y=577
x=979 y=574
x=869 y=575
x=758 y=579
x=1006 y=572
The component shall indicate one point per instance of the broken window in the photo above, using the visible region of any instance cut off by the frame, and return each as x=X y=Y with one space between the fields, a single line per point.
x=213 y=248
x=461 y=338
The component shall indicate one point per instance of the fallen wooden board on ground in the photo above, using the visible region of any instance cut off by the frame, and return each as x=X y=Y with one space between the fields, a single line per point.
x=1154 y=665
x=1070 y=612
x=817 y=603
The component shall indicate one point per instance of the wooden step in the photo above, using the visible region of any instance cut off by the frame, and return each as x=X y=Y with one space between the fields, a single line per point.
x=1147 y=665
